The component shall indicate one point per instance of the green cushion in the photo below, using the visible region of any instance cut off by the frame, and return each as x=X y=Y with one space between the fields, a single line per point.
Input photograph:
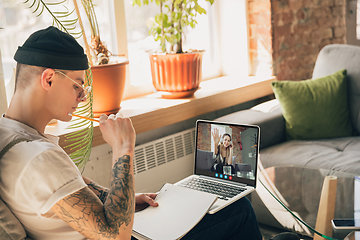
x=315 y=108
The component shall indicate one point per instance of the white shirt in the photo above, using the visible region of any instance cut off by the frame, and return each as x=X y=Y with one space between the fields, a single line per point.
x=33 y=177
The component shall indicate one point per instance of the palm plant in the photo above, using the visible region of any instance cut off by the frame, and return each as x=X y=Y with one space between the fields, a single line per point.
x=80 y=141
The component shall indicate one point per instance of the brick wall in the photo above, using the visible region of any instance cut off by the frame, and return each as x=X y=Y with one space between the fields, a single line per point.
x=204 y=137
x=260 y=39
x=299 y=29
x=236 y=139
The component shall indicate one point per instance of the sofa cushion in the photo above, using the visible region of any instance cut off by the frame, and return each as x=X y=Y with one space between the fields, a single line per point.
x=340 y=154
x=315 y=108
x=335 y=57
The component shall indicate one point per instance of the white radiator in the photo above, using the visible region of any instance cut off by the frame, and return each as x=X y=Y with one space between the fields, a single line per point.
x=165 y=160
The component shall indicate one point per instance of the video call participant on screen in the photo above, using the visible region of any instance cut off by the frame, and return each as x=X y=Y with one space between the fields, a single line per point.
x=223 y=152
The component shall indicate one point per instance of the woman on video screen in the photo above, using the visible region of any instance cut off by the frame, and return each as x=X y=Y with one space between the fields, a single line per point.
x=223 y=152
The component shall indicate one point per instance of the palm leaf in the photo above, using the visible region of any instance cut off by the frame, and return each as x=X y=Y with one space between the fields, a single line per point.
x=80 y=141
x=90 y=13
x=60 y=18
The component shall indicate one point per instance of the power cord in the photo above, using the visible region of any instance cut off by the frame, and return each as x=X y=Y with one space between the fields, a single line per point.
x=296 y=217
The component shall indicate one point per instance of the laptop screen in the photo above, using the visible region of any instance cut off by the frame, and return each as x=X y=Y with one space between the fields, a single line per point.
x=227 y=151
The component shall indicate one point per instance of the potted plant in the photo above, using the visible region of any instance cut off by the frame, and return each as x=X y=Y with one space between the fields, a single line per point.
x=98 y=55
x=174 y=70
x=108 y=77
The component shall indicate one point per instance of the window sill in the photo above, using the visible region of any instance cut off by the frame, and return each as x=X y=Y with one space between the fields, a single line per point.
x=152 y=111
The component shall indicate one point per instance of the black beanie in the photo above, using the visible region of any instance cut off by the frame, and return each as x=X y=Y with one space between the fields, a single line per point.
x=52 y=48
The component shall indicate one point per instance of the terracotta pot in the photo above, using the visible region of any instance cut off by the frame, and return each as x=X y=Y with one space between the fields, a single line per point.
x=108 y=87
x=178 y=74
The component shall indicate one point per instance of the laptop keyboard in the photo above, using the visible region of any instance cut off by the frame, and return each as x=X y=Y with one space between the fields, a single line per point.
x=223 y=191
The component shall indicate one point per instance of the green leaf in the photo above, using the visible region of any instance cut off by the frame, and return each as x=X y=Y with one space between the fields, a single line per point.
x=165 y=19
x=81 y=140
x=39 y=6
x=170 y=39
x=178 y=37
x=136 y=2
x=158 y=30
x=158 y=18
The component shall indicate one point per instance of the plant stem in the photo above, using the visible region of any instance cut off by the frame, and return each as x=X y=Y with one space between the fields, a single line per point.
x=87 y=48
x=179 y=46
x=172 y=23
x=162 y=23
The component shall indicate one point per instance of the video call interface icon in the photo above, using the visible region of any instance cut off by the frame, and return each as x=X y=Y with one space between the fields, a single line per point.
x=223 y=176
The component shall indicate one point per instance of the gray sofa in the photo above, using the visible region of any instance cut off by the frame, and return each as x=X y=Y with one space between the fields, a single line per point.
x=340 y=154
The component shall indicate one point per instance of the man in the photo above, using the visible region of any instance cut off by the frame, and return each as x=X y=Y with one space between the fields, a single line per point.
x=40 y=183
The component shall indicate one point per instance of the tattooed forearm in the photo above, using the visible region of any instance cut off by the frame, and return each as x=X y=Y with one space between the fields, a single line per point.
x=120 y=203
x=90 y=212
x=100 y=191
x=84 y=212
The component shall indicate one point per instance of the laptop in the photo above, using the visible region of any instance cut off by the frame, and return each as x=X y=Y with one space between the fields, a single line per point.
x=234 y=179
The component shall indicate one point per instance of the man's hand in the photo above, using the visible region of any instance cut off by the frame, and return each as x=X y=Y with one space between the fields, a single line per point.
x=118 y=132
x=143 y=200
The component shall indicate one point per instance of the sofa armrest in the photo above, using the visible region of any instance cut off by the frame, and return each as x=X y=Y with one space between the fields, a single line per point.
x=267 y=116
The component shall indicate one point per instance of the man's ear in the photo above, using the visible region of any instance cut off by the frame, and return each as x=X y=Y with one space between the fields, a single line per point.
x=47 y=78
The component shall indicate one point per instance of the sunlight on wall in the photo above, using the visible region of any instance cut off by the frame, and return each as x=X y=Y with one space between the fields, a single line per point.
x=234 y=38
x=3 y=102
x=263 y=67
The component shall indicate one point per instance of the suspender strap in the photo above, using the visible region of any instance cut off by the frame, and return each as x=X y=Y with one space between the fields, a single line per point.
x=11 y=144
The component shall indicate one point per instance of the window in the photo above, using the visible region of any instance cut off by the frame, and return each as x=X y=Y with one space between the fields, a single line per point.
x=123 y=29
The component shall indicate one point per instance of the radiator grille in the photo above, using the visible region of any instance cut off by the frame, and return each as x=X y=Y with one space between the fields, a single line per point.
x=188 y=143
x=164 y=150
x=179 y=146
x=150 y=156
x=160 y=153
x=170 y=152
x=140 y=160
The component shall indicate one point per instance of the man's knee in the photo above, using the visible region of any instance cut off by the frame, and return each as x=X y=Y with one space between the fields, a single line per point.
x=243 y=204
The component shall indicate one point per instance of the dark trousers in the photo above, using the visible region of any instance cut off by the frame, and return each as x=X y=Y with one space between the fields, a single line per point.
x=236 y=221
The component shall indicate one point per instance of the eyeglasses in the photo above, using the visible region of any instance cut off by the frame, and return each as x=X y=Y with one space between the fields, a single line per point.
x=84 y=93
